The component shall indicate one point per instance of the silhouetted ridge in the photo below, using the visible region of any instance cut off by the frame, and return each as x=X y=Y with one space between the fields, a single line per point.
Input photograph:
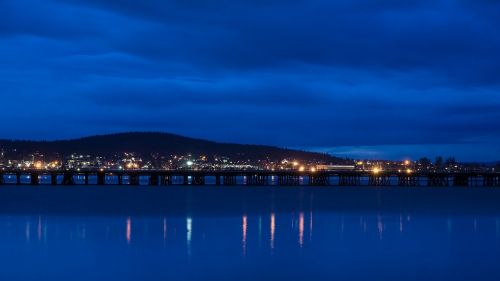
x=146 y=144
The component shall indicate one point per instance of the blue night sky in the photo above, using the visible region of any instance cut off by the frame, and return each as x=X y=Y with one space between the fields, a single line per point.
x=359 y=78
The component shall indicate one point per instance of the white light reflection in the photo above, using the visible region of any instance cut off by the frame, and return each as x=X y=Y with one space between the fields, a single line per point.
x=380 y=226
x=189 y=234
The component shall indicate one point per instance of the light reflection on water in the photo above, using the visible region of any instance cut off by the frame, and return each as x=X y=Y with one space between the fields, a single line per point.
x=363 y=246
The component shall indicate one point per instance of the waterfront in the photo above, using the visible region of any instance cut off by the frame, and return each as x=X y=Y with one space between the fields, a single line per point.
x=249 y=233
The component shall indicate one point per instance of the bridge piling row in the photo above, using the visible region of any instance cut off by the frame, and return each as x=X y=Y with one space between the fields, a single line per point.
x=257 y=178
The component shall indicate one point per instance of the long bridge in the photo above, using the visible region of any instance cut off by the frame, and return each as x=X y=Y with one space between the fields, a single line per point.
x=249 y=178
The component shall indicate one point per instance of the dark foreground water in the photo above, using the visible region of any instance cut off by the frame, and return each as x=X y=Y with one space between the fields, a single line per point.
x=123 y=234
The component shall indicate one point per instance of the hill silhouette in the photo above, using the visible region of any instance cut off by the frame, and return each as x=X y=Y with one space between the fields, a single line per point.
x=147 y=144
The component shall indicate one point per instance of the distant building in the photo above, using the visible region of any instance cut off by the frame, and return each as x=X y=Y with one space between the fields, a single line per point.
x=335 y=167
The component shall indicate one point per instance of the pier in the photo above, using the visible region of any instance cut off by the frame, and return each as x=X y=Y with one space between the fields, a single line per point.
x=248 y=178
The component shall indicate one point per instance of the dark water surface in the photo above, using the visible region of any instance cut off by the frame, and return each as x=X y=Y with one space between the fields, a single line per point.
x=249 y=234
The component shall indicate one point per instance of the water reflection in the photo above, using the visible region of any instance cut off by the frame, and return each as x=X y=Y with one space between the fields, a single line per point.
x=244 y=234
x=301 y=229
x=189 y=234
x=310 y=225
x=380 y=226
x=165 y=229
x=128 y=231
x=497 y=223
x=27 y=231
x=272 y=229
x=464 y=244
x=39 y=229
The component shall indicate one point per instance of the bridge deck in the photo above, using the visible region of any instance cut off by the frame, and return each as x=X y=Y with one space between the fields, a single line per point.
x=251 y=178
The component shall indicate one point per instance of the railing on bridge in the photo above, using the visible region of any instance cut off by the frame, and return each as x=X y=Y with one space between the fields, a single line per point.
x=250 y=178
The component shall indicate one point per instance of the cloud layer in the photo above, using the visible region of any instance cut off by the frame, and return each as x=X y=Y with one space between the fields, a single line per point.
x=291 y=73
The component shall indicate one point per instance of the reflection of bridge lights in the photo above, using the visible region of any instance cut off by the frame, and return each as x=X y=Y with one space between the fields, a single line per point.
x=244 y=228
x=301 y=229
x=128 y=231
x=272 y=229
x=165 y=229
x=189 y=229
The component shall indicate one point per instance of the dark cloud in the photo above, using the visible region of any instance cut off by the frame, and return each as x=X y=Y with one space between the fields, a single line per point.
x=437 y=35
x=291 y=73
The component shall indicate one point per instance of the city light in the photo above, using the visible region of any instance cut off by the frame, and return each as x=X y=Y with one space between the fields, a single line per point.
x=313 y=169
x=407 y=162
x=189 y=163
x=302 y=168
x=376 y=170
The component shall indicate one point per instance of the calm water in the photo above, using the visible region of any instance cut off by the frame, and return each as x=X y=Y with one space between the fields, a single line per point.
x=283 y=245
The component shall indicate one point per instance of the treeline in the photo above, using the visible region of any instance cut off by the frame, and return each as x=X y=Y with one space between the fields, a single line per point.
x=450 y=163
x=148 y=145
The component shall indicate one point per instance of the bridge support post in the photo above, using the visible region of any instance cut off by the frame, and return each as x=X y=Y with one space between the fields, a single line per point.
x=68 y=178
x=379 y=181
x=34 y=178
x=288 y=180
x=217 y=179
x=408 y=180
x=86 y=178
x=134 y=179
x=230 y=180
x=101 y=178
x=349 y=180
x=438 y=180
x=53 y=178
x=281 y=180
x=491 y=180
x=18 y=178
x=319 y=180
x=153 y=179
x=461 y=180
x=254 y=179
x=198 y=180
x=474 y=181
x=166 y=180
x=2 y=180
